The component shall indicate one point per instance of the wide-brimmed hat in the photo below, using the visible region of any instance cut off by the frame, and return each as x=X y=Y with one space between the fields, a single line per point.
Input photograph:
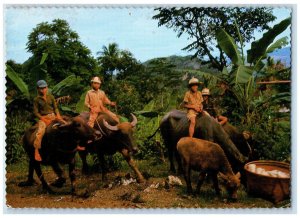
x=96 y=79
x=194 y=81
x=205 y=91
x=41 y=84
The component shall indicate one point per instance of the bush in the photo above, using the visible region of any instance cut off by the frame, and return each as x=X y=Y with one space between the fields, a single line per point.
x=16 y=124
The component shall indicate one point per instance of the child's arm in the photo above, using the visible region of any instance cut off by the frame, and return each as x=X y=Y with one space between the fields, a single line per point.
x=87 y=100
x=107 y=101
x=188 y=105
x=193 y=107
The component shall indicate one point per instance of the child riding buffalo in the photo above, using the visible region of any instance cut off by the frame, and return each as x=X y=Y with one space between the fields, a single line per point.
x=96 y=100
x=46 y=110
x=193 y=102
x=208 y=106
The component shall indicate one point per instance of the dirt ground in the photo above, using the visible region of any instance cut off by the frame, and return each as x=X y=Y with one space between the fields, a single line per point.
x=93 y=193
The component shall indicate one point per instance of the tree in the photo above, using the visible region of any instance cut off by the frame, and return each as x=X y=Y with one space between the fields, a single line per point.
x=66 y=54
x=241 y=78
x=201 y=23
x=116 y=61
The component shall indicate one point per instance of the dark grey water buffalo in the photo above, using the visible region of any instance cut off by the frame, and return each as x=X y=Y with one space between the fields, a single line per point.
x=59 y=145
x=175 y=124
x=115 y=137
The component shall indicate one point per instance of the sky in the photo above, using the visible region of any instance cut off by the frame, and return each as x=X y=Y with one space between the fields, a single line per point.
x=132 y=29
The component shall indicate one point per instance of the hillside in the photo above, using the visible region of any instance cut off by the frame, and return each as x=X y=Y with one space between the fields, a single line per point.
x=185 y=62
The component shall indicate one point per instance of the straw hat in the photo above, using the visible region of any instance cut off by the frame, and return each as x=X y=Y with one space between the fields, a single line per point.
x=96 y=79
x=205 y=91
x=194 y=81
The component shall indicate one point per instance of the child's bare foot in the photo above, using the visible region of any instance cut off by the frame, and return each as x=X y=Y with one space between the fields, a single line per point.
x=79 y=148
x=37 y=155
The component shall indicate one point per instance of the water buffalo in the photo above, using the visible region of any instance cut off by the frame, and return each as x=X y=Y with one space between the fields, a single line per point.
x=115 y=137
x=175 y=124
x=241 y=139
x=207 y=158
x=59 y=145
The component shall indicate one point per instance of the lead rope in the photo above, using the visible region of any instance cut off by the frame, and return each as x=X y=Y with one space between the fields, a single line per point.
x=101 y=131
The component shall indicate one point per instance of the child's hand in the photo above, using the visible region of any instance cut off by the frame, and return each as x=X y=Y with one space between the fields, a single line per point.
x=198 y=109
x=113 y=104
x=46 y=121
x=93 y=110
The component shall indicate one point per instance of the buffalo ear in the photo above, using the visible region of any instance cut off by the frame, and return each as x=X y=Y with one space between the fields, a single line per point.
x=223 y=176
x=238 y=175
x=62 y=126
x=247 y=135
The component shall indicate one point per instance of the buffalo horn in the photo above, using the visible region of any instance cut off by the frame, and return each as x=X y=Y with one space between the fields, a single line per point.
x=110 y=127
x=65 y=125
x=134 y=120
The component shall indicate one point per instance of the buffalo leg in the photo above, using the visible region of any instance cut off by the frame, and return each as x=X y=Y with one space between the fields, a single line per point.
x=187 y=177
x=178 y=159
x=131 y=163
x=171 y=159
x=39 y=173
x=216 y=183
x=72 y=175
x=61 y=180
x=202 y=176
x=85 y=167
x=103 y=166
x=30 y=181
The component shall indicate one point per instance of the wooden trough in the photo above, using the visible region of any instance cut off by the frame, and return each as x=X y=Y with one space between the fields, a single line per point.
x=262 y=180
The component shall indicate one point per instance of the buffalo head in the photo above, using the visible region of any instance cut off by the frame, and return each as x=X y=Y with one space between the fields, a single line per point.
x=123 y=133
x=79 y=128
x=232 y=183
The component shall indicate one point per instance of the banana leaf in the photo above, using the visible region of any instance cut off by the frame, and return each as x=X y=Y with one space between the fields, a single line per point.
x=259 y=47
x=80 y=107
x=242 y=74
x=14 y=77
x=227 y=44
x=280 y=43
x=43 y=59
x=69 y=81
x=149 y=114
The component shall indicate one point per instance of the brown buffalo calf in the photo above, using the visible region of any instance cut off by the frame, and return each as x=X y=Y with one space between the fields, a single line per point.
x=207 y=158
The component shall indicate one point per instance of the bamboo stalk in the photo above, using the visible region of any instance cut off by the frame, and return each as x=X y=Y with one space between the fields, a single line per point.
x=274 y=82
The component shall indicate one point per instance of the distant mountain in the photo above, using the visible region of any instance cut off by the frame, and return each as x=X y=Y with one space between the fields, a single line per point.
x=181 y=62
x=186 y=62
x=284 y=55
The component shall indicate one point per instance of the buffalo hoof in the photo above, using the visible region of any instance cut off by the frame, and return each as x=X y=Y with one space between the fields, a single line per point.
x=85 y=170
x=172 y=171
x=141 y=180
x=232 y=200
x=27 y=183
x=58 y=183
x=48 y=190
x=189 y=191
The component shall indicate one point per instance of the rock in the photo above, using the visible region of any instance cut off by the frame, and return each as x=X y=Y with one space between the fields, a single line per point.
x=138 y=199
x=126 y=196
x=151 y=187
x=173 y=180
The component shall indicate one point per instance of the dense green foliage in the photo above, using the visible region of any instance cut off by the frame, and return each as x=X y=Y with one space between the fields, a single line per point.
x=201 y=23
x=157 y=86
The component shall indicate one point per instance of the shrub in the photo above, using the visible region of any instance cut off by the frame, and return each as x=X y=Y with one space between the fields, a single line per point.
x=16 y=124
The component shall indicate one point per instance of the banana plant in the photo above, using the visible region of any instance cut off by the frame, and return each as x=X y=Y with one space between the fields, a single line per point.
x=241 y=78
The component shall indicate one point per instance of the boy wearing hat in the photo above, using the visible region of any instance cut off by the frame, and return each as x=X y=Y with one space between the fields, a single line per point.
x=209 y=107
x=46 y=110
x=193 y=102
x=96 y=100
